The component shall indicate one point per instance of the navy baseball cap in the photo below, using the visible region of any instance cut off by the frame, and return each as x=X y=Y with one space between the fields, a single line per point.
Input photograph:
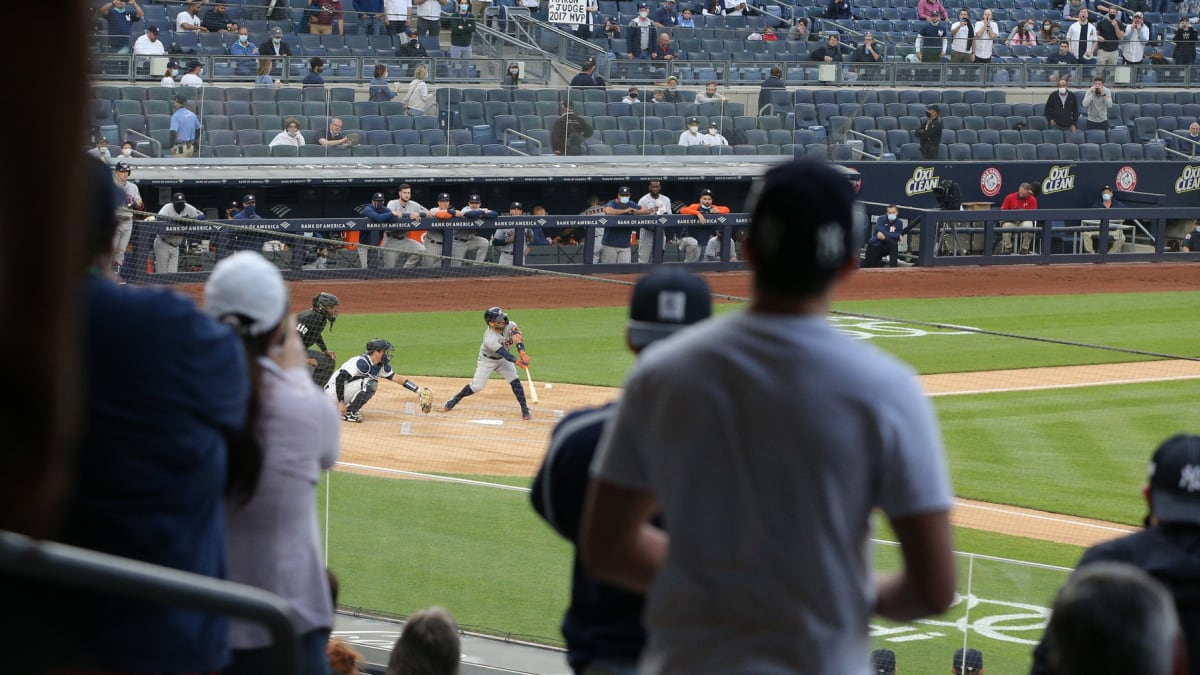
x=967 y=660
x=473 y=199
x=706 y=191
x=249 y=199
x=623 y=190
x=516 y=205
x=883 y=661
x=1174 y=477
x=443 y=197
x=178 y=198
x=665 y=301
x=378 y=197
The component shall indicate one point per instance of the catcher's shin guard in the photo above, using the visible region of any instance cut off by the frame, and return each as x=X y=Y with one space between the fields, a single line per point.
x=519 y=392
x=363 y=396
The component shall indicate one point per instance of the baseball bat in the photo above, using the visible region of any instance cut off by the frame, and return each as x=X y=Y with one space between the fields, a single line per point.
x=532 y=389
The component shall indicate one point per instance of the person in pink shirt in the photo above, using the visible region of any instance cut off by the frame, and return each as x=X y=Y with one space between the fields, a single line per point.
x=924 y=7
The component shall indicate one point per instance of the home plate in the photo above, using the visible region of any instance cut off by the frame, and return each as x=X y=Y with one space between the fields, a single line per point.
x=488 y=422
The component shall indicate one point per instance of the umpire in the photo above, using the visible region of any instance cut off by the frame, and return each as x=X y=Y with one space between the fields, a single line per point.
x=311 y=324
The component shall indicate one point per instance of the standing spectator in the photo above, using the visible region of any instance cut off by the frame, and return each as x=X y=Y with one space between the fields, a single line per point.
x=710 y=94
x=691 y=135
x=885 y=239
x=1112 y=618
x=289 y=136
x=962 y=38
x=1109 y=34
x=1082 y=36
x=166 y=246
x=1062 y=107
x=380 y=89
x=641 y=36
x=691 y=236
x=271 y=514
x=462 y=31
x=838 y=430
x=323 y=14
x=428 y=644
x=929 y=132
x=194 y=77
x=1021 y=200
x=616 y=245
x=663 y=51
x=587 y=76
x=429 y=18
x=398 y=12
x=926 y=8
x=1116 y=235
x=216 y=20
x=931 y=39
x=655 y=203
x=568 y=132
x=408 y=242
x=120 y=15
x=1063 y=57
x=1070 y=9
x=188 y=19
x=774 y=82
x=733 y=7
x=1185 y=42
x=838 y=10
x=131 y=201
x=665 y=16
x=1096 y=102
x=987 y=32
x=967 y=661
x=602 y=625
x=314 y=78
x=829 y=52
x=420 y=98
x=185 y=129
x=883 y=662
x=245 y=49
x=262 y=76
x=412 y=49
x=1137 y=34
x=168 y=78
x=1049 y=33
x=371 y=16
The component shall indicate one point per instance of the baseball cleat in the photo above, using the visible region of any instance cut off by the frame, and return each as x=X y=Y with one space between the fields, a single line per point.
x=449 y=405
x=525 y=415
x=352 y=417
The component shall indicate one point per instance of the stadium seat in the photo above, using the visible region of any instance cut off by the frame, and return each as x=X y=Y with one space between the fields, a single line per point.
x=983 y=152
x=1088 y=152
x=1047 y=151
x=959 y=152
x=1129 y=151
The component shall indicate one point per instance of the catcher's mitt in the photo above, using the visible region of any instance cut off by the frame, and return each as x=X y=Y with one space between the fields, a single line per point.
x=425 y=396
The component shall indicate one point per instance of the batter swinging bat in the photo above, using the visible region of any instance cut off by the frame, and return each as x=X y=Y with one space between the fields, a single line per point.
x=532 y=389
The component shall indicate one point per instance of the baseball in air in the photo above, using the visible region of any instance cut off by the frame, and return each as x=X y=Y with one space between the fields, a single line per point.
x=549 y=386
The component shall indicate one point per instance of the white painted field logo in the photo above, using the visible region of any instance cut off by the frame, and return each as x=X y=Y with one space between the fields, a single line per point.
x=866 y=328
x=1060 y=180
x=1188 y=181
x=991 y=181
x=923 y=180
x=1126 y=178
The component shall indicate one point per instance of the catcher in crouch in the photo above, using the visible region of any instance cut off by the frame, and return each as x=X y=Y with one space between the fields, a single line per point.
x=495 y=355
x=355 y=382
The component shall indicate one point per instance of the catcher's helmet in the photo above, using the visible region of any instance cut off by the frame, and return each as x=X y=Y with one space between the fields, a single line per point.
x=325 y=304
x=380 y=345
x=494 y=314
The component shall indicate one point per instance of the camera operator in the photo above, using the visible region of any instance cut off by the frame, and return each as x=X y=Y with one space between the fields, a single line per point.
x=1096 y=103
x=929 y=132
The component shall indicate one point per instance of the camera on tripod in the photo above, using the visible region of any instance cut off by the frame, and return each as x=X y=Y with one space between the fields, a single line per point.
x=949 y=195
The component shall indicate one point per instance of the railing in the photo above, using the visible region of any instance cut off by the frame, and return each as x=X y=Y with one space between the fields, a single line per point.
x=1181 y=140
x=535 y=144
x=156 y=146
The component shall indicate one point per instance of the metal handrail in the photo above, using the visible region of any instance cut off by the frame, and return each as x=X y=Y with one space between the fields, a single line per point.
x=865 y=139
x=154 y=142
x=1172 y=151
x=527 y=138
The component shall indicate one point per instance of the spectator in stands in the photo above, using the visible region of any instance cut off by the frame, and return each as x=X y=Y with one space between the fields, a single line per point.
x=1070 y=9
x=398 y=10
x=926 y=8
x=216 y=20
x=663 y=51
x=1082 y=36
x=371 y=16
x=838 y=10
x=168 y=78
x=967 y=661
x=616 y=243
x=666 y=15
x=1185 y=42
x=246 y=49
x=806 y=608
x=333 y=135
x=1021 y=200
x=800 y=32
x=929 y=132
x=276 y=46
x=292 y=438
x=631 y=96
x=323 y=14
x=710 y=94
x=568 y=133
x=686 y=19
x=671 y=92
x=1096 y=102
x=148 y=43
x=1116 y=234
x=1022 y=36
x=185 y=128
x=120 y=16
x=1062 y=106
x=1133 y=44
x=829 y=52
x=420 y=99
x=512 y=78
x=690 y=238
x=734 y=7
x=290 y=135
x=587 y=76
x=691 y=135
x=127 y=150
x=462 y=31
x=101 y=150
x=931 y=39
x=380 y=89
x=1065 y=57
x=713 y=137
x=429 y=643
x=262 y=77
x=987 y=32
x=1109 y=33
x=641 y=36
x=188 y=19
x=429 y=18
x=603 y=626
x=773 y=82
x=1190 y=144
x=883 y=662
x=1049 y=33
x=1115 y=617
x=413 y=48
x=962 y=38
x=885 y=239
x=313 y=77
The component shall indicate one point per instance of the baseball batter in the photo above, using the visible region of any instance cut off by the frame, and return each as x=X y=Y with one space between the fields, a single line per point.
x=355 y=382
x=495 y=355
x=310 y=324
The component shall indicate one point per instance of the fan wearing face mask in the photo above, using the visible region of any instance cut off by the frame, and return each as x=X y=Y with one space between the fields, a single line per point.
x=885 y=239
x=166 y=246
x=462 y=30
x=641 y=36
x=290 y=135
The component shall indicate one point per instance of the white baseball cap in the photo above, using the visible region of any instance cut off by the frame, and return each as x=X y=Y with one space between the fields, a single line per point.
x=246 y=291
